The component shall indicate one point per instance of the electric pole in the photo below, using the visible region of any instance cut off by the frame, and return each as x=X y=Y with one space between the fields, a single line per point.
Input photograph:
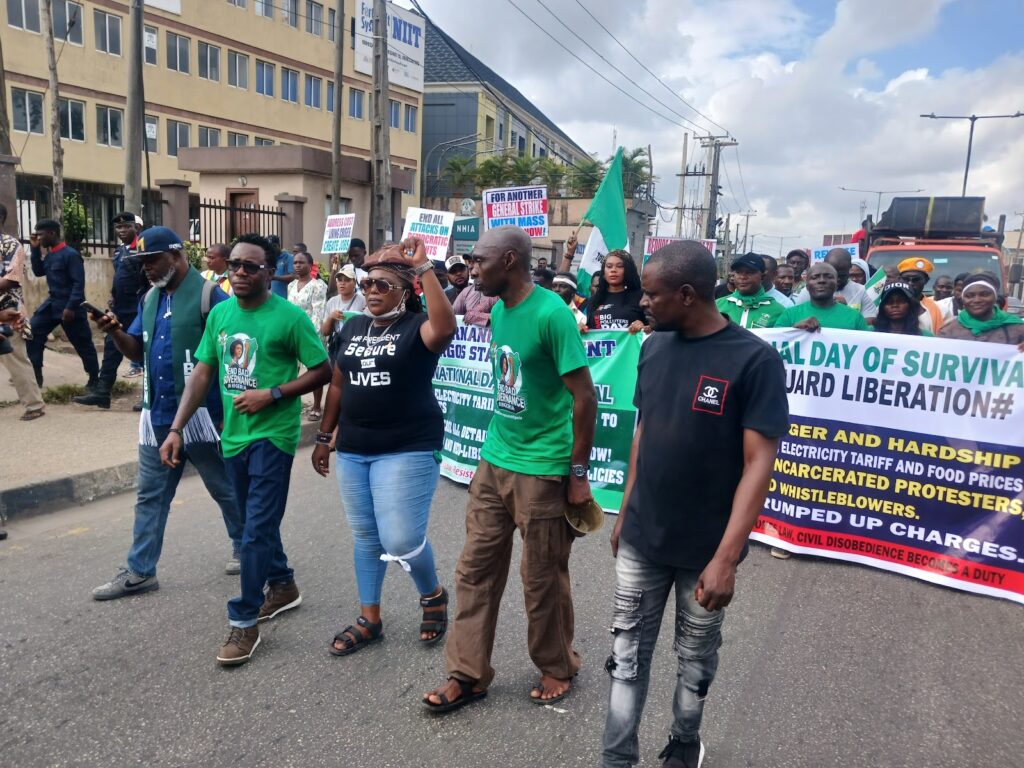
x=716 y=149
x=339 y=61
x=728 y=237
x=5 y=121
x=382 y=220
x=57 y=149
x=135 y=119
x=682 y=188
x=746 y=228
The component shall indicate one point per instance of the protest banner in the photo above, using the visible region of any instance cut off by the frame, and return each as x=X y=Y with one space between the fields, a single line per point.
x=434 y=228
x=464 y=385
x=338 y=233
x=525 y=207
x=904 y=453
x=819 y=254
x=653 y=243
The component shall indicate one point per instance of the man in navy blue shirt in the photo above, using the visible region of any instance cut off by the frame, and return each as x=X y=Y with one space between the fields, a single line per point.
x=284 y=273
x=164 y=335
x=65 y=278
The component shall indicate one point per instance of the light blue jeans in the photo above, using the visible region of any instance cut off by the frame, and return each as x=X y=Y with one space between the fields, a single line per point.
x=387 y=501
x=641 y=592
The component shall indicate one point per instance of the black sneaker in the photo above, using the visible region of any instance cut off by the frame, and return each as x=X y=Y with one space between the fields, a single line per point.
x=679 y=754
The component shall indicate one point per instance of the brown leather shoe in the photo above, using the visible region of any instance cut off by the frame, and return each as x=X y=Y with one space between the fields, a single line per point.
x=280 y=598
x=239 y=647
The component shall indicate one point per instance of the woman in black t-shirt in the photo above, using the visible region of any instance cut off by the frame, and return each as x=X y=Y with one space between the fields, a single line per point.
x=381 y=399
x=616 y=303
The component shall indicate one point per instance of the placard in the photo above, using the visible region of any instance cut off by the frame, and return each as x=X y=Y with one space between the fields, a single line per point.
x=434 y=228
x=525 y=207
x=338 y=233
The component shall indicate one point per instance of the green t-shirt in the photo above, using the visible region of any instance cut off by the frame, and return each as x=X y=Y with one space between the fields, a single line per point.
x=259 y=349
x=757 y=311
x=533 y=345
x=836 y=316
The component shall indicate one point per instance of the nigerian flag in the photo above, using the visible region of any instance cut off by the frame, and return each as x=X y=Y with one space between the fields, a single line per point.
x=607 y=215
x=875 y=285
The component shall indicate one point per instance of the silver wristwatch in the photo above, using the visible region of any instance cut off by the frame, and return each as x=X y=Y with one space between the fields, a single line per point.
x=579 y=470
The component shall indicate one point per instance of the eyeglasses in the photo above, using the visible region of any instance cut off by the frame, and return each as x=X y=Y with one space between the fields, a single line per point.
x=251 y=268
x=378 y=283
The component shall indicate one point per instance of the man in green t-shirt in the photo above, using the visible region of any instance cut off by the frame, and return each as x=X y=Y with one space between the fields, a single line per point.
x=822 y=311
x=534 y=461
x=254 y=343
x=749 y=306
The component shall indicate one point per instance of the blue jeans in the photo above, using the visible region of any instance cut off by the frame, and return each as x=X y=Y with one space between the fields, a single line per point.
x=260 y=474
x=156 y=486
x=641 y=592
x=387 y=501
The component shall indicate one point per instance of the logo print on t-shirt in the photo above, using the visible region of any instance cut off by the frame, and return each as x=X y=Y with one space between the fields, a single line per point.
x=710 y=395
x=509 y=372
x=239 y=355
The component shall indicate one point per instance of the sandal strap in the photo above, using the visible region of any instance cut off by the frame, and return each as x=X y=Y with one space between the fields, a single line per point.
x=436 y=601
x=373 y=629
x=434 y=626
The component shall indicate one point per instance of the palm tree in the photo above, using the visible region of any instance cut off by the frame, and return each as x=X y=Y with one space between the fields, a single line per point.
x=523 y=170
x=552 y=174
x=636 y=170
x=494 y=172
x=586 y=176
x=460 y=173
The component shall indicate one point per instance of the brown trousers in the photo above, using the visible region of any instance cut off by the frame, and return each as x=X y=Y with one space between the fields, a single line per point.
x=500 y=502
x=22 y=374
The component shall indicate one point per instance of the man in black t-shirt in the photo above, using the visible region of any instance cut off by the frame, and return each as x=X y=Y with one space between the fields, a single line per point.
x=696 y=484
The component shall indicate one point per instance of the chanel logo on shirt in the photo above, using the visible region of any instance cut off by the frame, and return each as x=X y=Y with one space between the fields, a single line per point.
x=710 y=395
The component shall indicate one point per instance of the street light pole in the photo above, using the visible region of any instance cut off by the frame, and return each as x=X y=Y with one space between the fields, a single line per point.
x=880 y=192
x=970 y=135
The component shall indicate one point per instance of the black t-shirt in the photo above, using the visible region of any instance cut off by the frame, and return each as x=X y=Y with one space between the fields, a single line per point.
x=695 y=398
x=617 y=310
x=387 y=399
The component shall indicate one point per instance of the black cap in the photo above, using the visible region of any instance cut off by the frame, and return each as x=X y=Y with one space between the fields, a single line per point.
x=127 y=217
x=749 y=261
x=897 y=287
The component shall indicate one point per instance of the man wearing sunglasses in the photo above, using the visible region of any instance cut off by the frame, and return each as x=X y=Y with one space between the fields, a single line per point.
x=164 y=335
x=252 y=346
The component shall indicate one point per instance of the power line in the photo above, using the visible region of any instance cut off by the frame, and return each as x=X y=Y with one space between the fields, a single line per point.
x=743 y=186
x=663 y=83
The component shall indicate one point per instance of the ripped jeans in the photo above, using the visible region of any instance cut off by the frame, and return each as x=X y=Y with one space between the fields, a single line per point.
x=640 y=595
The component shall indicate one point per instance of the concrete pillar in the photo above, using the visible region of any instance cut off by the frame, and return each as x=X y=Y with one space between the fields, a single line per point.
x=557 y=252
x=174 y=194
x=291 y=224
x=8 y=193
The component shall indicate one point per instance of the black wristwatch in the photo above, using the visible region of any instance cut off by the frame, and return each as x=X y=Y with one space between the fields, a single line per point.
x=579 y=470
x=275 y=392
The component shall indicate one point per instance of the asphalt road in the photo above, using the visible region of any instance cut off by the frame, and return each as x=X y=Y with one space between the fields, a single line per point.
x=824 y=664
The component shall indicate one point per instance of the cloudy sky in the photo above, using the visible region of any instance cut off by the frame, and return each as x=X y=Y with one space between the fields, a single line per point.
x=818 y=94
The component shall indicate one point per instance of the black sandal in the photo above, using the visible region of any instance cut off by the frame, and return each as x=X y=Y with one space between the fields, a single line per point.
x=466 y=696
x=354 y=640
x=440 y=626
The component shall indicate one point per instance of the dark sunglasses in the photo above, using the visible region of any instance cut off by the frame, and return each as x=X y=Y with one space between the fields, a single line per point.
x=379 y=283
x=250 y=268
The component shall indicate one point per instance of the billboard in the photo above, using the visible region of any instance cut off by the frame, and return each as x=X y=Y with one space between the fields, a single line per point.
x=406 y=41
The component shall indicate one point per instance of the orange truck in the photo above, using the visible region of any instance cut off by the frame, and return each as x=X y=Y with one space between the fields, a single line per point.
x=948 y=231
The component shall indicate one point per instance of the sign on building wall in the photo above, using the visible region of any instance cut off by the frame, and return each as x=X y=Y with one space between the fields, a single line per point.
x=406 y=39
x=525 y=207
x=171 y=6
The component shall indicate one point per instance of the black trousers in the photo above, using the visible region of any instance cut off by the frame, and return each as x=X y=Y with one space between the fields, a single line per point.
x=77 y=331
x=112 y=356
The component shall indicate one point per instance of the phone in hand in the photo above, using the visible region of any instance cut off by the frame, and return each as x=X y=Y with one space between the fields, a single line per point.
x=93 y=310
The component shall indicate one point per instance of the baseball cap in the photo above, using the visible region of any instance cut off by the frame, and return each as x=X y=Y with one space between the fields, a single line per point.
x=127 y=217
x=348 y=271
x=748 y=261
x=897 y=286
x=157 y=240
x=453 y=262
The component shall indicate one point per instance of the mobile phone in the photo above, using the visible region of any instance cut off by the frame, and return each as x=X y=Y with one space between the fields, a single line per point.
x=94 y=311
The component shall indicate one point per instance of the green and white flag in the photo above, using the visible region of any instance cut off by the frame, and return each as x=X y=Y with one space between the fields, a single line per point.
x=875 y=285
x=607 y=215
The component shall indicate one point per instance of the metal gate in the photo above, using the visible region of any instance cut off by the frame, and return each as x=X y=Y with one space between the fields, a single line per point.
x=215 y=221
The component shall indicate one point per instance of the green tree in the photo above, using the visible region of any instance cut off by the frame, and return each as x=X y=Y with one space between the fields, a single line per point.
x=460 y=173
x=523 y=171
x=636 y=170
x=585 y=177
x=552 y=174
x=494 y=172
x=76 y=222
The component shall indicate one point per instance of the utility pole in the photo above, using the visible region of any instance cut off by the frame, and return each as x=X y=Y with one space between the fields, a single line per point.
x=970 y=135
x=382 y=221
x=746 y=228
x=728 y=237
x=135 y=119
x=5 y=120
x=879 y=192
x=682 y=187
x=58 y=150
x=716 y=148
x=339 y=68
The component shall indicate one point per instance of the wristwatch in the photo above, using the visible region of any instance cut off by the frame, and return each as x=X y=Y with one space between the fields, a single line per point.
x=423 y=268
x=579 y=470
x=275 y=392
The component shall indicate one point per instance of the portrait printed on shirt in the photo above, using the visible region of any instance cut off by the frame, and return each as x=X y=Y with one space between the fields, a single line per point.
x=375 y=355
x=508 y=373
x=238 y=355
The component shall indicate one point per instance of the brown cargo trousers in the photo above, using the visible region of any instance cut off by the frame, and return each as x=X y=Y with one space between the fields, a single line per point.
x=501 y=501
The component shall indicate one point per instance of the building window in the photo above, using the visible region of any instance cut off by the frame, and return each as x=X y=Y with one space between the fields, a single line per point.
x=237 y=3
x=263 y=142
x=177 y=137
x=209 y=137
x=313 y=91
x=109 y=122
x=209 y=62
x=332 y=24
x=177 y=53
x=72 y=119
x=314 y=18
x=522 y=146
x=395 y=113
x=238 y=70
x=355 y=103
x=149 y=45
x=352 y=33
x=28 y=111
x=501 y=133
x=290 y=12
x=289 y=85
x=108 y=32
x=264 y=78
x=237 y=139
x=330 y=96
x=410 y=118
x=67 y=21
x=152 y=126
x=23 y=14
